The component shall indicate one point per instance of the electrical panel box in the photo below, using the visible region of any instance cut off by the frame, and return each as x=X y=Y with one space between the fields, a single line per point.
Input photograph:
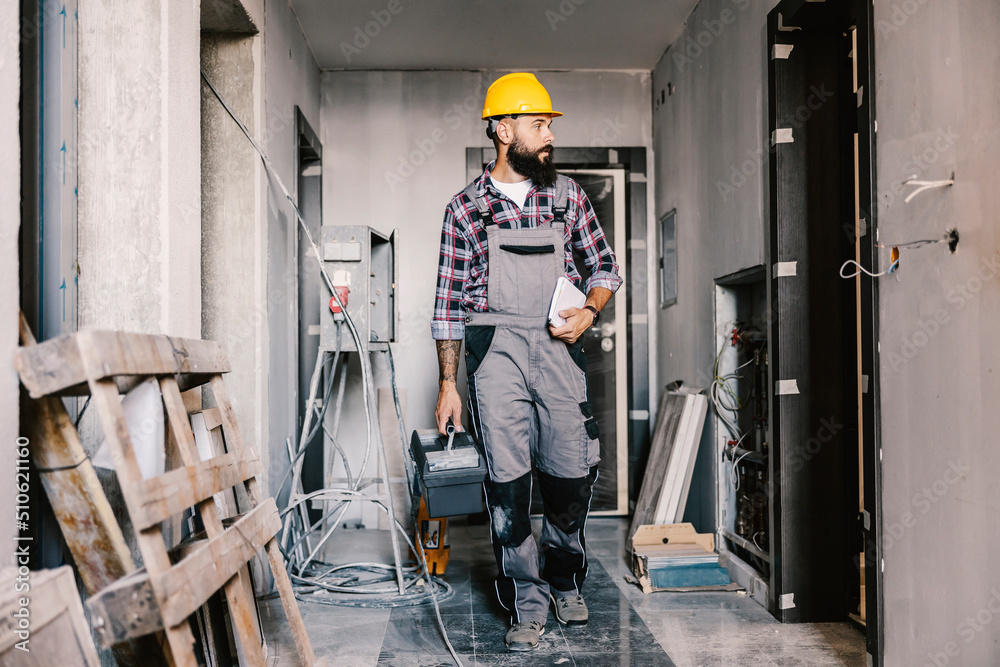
x=366 y=262
x=740 y=393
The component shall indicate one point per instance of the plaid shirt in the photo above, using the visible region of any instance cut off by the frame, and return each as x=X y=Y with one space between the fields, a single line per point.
x=463 y=266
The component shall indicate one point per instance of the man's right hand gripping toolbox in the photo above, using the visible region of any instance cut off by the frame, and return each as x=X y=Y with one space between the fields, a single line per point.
x=451 y=480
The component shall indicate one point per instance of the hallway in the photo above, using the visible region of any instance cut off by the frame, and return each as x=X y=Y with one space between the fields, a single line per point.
x=801 y=198
x=626 y=628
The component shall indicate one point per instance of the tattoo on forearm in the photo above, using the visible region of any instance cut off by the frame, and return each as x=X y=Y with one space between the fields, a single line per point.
x=448 y=351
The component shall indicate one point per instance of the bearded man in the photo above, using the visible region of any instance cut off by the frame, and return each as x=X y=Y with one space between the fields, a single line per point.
x=507 y=238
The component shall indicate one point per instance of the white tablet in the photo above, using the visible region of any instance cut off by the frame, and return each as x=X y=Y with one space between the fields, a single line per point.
x=565 y=295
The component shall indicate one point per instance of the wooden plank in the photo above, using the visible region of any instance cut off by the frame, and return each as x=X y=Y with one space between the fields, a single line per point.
x=150 y=540
x=59 y=364
x=176 y=490
x=43 y=607
x=396 y=459
x=667 y=422
x=669 y=534
x=187 y=586
x=124 y=610
x=85 y=516
x=58 y=630
x=284 y=585
x=213 y=419
x=242 y=611
x=127 y=608
x=207 y=424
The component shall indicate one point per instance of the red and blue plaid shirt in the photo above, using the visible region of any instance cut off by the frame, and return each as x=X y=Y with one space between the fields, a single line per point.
x=463 y=266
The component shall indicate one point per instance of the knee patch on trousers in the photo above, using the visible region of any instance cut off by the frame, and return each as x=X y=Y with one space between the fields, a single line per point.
x=509 y=504
x=566 y=500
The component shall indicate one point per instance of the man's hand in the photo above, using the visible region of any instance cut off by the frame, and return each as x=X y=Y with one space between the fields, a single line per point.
x=449 y=406
x=578 y=320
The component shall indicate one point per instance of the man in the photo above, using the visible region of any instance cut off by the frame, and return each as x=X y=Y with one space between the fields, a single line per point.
x=507 y=238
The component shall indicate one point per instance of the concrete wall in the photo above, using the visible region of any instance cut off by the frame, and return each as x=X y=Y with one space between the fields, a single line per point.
x=139 y=206
x=394 y=156
x=10 y=220
x=249 y=258
x=291 y=79
x=938 y=111
x=139 y=193
x=233 y=241
x=711 y=123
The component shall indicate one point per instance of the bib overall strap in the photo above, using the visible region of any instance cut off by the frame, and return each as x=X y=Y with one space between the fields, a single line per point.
x=485 y=213
x=561 y=199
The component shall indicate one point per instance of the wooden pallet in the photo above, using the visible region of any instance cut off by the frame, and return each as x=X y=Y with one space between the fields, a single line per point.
x=105 y=363
x=56 y=633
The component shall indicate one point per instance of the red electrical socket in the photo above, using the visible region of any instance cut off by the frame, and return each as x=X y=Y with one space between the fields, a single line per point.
x=342 y=292
x=736 y=336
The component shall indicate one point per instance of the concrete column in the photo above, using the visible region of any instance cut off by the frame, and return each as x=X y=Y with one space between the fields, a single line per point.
x=234 y=241
x=10 y=220
x=139 y=166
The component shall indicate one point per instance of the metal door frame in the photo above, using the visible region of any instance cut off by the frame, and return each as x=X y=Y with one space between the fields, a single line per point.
x=621 y=353
x=788 y=23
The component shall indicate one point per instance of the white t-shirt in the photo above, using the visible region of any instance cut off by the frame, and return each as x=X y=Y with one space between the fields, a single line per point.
x=516 y=192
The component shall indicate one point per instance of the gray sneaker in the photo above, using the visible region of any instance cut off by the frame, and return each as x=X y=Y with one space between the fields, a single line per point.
x=570 y=610
x=524 y=636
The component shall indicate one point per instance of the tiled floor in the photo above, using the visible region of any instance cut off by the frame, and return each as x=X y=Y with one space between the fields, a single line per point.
x=625 y=628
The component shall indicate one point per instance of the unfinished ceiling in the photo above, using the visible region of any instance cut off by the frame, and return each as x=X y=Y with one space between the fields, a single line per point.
x=475 y=34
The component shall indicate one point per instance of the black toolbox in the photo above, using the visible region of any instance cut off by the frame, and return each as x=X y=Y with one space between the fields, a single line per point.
x=448 y=492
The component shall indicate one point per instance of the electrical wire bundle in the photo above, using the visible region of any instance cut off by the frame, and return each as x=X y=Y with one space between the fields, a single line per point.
x=313 y=579
x=725 y=398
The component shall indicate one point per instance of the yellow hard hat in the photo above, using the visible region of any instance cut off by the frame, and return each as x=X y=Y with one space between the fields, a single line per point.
x=517 y=93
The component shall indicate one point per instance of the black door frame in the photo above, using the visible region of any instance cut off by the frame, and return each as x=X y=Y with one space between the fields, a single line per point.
x=633 y=160
x=308 y=153
x=789 y=23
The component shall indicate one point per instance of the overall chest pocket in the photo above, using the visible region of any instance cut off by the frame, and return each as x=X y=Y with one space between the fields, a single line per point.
x=523 y=273
x=529 y=249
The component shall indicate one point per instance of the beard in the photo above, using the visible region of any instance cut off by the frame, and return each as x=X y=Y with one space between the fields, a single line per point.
x=536 y=165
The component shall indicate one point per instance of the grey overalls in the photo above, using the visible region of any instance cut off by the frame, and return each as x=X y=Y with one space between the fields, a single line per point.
x=528 y=402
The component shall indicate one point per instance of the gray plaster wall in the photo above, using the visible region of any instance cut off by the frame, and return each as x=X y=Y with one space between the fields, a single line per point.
x=248 y=259
x=139 y=196
x=291 y=78
x=709 y=134
x=938 y=111
x=233 y=246
x=138 y=158
x=394 y=156
x=10 y=220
